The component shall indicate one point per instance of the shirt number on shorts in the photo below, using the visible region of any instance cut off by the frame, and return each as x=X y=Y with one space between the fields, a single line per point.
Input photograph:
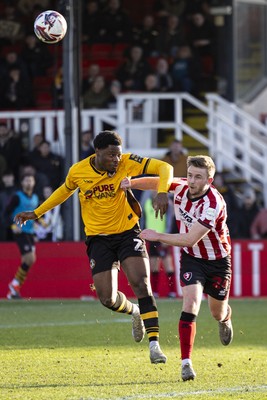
x=139 y=244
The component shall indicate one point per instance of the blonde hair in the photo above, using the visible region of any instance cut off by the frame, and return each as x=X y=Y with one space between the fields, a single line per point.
x=204 y=162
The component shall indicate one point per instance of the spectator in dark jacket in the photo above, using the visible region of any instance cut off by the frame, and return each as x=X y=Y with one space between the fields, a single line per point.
x=133 y=71
x=114 y=24
x=145 y=35
x=50 y=164
x=184 y=70
x=36 y=56
x=17 y=91
x=247 y=213
x=10 y=148
x=8 y=189
x=87 y=147
x=170 y=37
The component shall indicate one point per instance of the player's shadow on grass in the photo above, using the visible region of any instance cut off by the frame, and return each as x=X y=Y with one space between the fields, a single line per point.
x=54 y=385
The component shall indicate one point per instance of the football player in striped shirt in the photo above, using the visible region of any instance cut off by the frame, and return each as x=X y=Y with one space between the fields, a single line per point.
x=201 y=214
x=111 y=219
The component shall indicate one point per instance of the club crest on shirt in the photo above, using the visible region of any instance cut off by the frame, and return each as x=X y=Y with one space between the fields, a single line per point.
x=178 y=199
x=187 y=276
x=136 y=158
x=210 y=214
x=92 y=263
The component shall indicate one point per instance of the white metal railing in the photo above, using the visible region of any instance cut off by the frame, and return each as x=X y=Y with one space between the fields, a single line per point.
x=234 y=139
x=239 y=141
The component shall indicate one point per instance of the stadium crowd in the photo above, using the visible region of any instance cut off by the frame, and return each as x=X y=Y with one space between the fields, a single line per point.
x=171 y=48
x=177 y=34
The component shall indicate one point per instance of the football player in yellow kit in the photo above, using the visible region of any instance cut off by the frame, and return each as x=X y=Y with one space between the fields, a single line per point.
x=111 y=219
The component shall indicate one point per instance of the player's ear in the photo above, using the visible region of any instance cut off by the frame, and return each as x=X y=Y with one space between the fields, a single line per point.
x=210 y=180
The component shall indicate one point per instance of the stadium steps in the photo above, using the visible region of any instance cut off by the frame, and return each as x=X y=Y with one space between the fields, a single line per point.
x=197 y=120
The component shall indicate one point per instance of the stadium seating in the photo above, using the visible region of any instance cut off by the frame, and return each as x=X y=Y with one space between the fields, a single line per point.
x=118 y=51
x=108 y=67
x=99 y=51
x=42 y=88
x=44 y=100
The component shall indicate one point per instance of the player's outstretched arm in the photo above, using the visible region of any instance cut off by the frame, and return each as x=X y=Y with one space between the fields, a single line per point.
x=189 y=239
x=144 y=183
x=22 y=217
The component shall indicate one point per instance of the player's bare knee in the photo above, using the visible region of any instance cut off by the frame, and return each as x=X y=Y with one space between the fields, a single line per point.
x=141 y=288
x=33 y=259
x=29 y=258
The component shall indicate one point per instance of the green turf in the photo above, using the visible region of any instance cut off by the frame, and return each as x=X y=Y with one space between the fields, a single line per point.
x=73 y=350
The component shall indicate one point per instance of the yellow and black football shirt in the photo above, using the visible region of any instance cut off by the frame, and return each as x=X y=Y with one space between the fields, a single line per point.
x=104 y=205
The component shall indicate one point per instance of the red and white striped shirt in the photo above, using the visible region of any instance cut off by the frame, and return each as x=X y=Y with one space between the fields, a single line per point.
x=210 y=211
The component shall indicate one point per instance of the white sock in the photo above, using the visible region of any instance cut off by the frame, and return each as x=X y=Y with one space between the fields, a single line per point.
x=153 y=343
x=186 y=361
x=15 y=282
x=135 y=310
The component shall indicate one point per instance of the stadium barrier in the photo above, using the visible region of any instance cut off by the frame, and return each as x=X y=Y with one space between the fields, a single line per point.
x=62 y=271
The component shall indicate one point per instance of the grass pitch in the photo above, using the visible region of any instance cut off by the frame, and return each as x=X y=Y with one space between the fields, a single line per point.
x=75 y=350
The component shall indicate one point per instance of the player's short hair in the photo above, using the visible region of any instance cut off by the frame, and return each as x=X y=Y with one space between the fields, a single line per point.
x=44 y=142
x=204 y=162
x=106 y=138
x=27 y=175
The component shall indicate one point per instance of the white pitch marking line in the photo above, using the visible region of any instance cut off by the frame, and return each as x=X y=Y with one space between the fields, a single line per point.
x=55 y=324
x=261 y=388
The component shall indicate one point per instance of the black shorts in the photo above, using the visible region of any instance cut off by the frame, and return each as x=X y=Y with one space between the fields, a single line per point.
x=107 y=252
x=213 y=275
x=25 y=242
